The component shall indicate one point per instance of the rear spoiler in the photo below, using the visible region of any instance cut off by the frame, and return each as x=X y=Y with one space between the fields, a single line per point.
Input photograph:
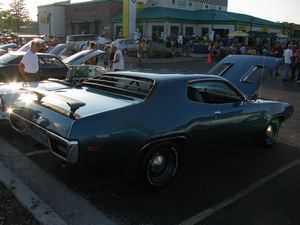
x=72 y=103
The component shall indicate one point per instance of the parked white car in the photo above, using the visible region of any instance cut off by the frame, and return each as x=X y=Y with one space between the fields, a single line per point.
x=126 y=45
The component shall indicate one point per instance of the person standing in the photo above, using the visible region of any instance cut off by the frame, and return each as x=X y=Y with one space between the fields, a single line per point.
x=296 y=64
x=140 y=51
x=288 y=54
x=93 y=60
x=117 y=63
x=180 y=43
x=86 y=45
x=29 y=65
x=101 y=42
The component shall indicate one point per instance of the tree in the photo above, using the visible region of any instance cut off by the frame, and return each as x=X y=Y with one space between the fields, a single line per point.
x=6 y=20
x=19 y=12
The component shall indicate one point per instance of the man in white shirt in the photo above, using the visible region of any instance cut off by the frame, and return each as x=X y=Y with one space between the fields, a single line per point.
x=180 y=43
x=29 y=65
x=102 y=41
x=288 y=54
x=117 y=63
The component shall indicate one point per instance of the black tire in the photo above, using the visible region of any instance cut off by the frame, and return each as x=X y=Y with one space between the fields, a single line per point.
x=160 y=165
x=269 y=137
x=125 y=51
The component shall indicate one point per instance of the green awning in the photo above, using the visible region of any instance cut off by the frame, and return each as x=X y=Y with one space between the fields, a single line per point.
x=198 y=16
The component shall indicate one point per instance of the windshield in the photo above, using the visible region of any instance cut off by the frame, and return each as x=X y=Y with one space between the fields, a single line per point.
x=9 y=59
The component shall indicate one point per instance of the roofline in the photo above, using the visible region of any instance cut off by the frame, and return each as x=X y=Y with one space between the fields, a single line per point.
x=229 y=15
x=68 y=3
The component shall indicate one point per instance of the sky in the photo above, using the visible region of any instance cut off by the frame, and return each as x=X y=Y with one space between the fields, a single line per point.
x=274 y=10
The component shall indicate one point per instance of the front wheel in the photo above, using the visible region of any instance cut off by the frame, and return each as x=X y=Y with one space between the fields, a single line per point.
x=125 y=51
x=268 y=138
x=160 y=165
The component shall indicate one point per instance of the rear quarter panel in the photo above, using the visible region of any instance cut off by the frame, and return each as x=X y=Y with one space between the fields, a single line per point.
x=120 y=134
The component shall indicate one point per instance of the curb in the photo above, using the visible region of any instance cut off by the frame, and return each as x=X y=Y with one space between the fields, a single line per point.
x=59 y=205
x=39 y=209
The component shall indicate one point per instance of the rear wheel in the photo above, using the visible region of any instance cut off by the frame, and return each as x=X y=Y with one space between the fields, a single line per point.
x=125 y=51
x=160 y=165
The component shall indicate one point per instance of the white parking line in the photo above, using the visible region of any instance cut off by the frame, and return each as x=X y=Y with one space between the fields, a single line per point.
x=38 y=152
x=208 y=212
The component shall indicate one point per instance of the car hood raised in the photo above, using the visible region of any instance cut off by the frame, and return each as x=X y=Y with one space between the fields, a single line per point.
x=245 y=71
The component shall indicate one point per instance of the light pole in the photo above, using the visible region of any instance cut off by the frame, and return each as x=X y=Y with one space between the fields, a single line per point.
x=49 y=21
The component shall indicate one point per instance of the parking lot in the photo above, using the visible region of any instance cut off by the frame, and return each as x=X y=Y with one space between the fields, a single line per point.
x=237 y=184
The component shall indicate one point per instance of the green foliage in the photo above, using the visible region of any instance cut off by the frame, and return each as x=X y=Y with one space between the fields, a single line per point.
x=6 y=20
x=19 y=12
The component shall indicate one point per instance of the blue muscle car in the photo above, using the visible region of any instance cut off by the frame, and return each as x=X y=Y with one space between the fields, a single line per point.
x=147 y=121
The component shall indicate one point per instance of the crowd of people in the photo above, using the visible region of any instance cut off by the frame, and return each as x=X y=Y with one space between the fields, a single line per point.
x=290 y=52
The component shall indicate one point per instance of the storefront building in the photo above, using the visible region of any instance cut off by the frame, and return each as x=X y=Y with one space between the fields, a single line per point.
x=161 y=22
x=63 y=18
x=156 y=19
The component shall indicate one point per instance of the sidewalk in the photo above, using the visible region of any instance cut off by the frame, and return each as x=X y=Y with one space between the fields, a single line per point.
x=20 y=206
x=11 y=210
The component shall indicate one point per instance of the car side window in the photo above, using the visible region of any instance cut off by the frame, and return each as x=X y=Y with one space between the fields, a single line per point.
x=50 y=62
x=213 y=92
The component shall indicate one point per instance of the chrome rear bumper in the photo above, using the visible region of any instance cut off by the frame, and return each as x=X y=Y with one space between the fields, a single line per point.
x=67 y=150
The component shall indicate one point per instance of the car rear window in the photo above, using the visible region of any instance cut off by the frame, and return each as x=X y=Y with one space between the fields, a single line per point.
x=130 y=86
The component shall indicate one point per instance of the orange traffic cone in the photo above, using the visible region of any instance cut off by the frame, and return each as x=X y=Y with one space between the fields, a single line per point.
x=209 y=58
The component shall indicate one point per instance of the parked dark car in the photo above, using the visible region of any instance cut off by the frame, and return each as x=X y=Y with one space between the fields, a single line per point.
x=147 y=121
x=57 y=50
x=199 y=48
x=49 y=66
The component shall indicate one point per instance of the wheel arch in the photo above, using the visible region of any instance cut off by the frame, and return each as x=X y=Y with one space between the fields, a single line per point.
x=180 y=141
x=280 y=118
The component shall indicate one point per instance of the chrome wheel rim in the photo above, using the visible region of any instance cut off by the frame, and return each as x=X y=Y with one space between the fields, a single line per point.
x=272 y=132
x=158 y=164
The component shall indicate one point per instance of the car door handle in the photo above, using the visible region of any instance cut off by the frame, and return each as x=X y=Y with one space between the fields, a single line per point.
x=218 y=112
